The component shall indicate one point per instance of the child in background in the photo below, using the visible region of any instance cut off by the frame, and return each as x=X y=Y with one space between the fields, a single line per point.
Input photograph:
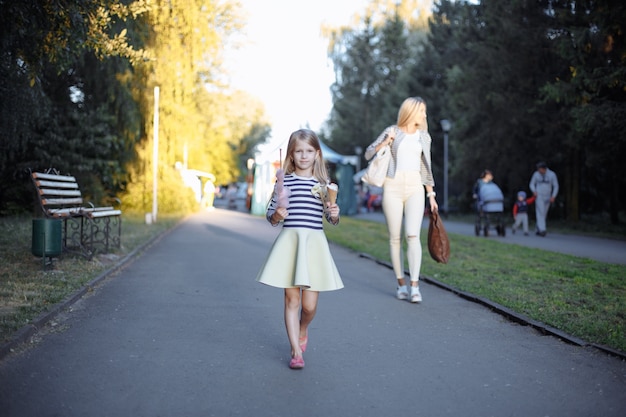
x=520 y=211
x=300 y=260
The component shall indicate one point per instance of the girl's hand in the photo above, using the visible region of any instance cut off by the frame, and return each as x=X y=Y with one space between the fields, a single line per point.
x=333 y=209
x=279 y=215
x=282 y=213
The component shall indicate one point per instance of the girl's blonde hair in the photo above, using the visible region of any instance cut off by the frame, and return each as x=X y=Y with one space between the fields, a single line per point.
x=408 y=109
x=320 y=172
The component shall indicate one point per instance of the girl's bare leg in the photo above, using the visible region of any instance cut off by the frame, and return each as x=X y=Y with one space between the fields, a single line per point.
x=309 y=308
x=292 y=319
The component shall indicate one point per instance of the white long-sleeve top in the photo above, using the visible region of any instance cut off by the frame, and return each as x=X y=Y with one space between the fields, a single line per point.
x=425 y=160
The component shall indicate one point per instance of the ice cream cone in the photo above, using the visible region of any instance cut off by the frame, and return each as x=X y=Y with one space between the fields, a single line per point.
x=332 y=192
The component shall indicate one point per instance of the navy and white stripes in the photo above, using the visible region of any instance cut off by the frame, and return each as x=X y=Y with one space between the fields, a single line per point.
x=305 y=209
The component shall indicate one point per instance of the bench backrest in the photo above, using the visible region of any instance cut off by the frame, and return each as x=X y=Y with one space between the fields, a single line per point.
x=59 y=195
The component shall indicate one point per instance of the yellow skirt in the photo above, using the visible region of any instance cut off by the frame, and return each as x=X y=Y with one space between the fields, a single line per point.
x=301 y=258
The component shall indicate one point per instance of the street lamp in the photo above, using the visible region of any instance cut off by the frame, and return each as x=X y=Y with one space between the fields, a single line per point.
x=358 y=151
x=250 y=181
x=445 y=126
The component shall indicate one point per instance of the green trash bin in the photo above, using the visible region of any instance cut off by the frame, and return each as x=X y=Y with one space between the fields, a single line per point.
x=47 y=239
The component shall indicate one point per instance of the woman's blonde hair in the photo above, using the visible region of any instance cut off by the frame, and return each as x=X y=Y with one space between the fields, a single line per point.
x=320 y=172
x=408 y=109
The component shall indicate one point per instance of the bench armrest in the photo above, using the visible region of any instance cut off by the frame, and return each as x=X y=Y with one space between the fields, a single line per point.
x=114 y=203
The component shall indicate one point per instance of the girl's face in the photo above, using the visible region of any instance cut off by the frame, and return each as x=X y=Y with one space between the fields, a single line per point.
x=304 y=158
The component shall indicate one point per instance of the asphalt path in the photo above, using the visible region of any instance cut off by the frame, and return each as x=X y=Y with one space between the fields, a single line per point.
x=184 y=330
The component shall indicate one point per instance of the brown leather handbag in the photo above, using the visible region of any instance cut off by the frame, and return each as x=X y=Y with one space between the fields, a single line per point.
x=438 y=243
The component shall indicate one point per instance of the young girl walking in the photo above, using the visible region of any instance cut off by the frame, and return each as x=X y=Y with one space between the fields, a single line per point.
x=300 y=260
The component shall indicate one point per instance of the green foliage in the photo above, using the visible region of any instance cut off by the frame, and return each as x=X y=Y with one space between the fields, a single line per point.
x=202 y=125
x=592 y=86
x=76 y=94
x=60 y=106
x=492 y=92
x=520 y=81
x=368 y=62
x=174 y=197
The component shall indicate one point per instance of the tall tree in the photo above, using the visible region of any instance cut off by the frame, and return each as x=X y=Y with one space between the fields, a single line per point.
x=198 y=127
x=496 y=61
x=354 y=92
x=43 y=47
x=368 y=64
x=589 y=37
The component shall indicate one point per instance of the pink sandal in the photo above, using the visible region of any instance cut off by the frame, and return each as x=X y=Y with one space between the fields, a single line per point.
x=303 y=342
x=296 y=363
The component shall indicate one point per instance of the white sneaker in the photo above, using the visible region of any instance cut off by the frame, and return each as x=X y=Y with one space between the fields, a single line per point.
x=416 y=296
x=402 y=293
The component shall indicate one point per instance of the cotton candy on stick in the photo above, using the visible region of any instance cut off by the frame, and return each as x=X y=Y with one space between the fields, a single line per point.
x=282 y=193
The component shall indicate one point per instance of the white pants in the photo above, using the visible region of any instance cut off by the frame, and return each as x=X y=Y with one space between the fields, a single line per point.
x=542 y=205
x=404 y=197
x=521 y=219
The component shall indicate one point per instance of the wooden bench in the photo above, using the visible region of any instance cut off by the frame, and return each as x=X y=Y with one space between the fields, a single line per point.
x=85 y=226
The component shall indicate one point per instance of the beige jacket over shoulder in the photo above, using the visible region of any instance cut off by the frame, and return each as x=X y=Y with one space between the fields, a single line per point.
x=425 y=166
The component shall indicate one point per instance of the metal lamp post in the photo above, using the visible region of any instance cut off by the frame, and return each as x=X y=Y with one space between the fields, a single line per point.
x=250 y=181
x=358 y=151
x=445 y=126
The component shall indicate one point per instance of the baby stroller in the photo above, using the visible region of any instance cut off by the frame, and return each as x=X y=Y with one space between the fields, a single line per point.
x=490 y=208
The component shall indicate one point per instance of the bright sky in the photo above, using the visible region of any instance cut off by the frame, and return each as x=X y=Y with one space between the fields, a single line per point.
x=284 y=63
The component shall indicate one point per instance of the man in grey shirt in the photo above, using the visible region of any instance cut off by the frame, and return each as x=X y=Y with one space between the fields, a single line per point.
x=545 y=186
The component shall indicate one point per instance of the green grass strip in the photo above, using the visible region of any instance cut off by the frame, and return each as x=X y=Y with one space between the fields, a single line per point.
x=581 y=297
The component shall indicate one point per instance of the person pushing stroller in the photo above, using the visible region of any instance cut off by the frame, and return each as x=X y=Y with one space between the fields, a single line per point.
x=489 y=205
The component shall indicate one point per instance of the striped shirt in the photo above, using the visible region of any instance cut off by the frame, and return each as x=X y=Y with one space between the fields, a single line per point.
x=305 y=209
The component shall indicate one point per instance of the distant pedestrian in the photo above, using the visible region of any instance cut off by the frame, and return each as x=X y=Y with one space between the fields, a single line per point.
x=208 y=195
x=374 y=198
x=485 y=177
x=489 y=205
x=520 y=211
x=408 y=184
x=231 y=195
x=300 y=260
x=545 y=187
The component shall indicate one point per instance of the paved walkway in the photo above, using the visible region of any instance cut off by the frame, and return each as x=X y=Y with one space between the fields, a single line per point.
x=184 y=330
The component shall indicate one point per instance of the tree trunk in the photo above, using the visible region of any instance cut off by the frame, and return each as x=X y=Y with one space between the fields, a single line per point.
x=614 y=196
x=572 y=186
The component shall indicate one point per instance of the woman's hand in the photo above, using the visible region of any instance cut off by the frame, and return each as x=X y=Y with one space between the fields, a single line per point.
x=434 y=207
x=386 y=142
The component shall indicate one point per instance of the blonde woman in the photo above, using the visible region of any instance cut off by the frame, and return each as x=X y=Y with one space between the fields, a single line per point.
x=409 y=174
